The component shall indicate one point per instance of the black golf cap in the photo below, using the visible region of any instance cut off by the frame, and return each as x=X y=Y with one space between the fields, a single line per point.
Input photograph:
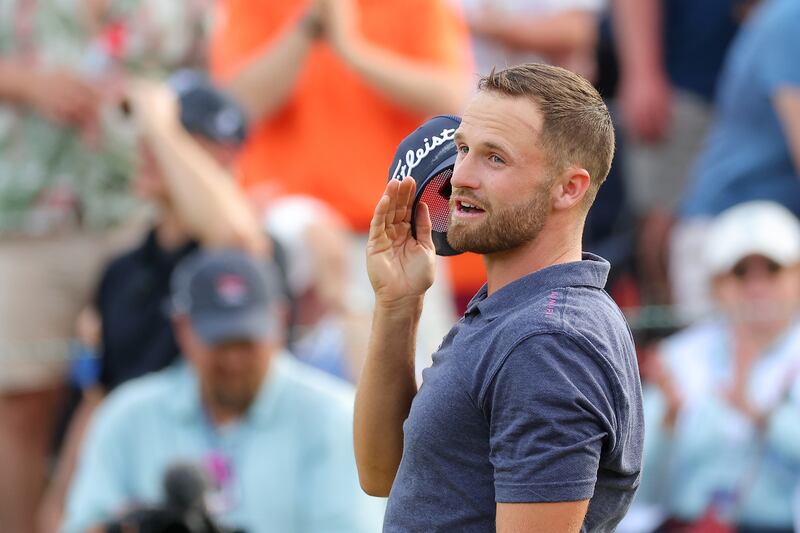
x=428 y=155
x=207 y=110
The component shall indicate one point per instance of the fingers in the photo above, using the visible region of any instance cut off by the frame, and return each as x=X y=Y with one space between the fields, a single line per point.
x=391 y=192
x=76 y=99
x=377 y=226
x=405 y=200
x=424 y=226
x=394 y=206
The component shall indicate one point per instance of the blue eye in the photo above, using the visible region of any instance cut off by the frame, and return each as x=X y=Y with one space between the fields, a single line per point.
x=497 y=159
x=463 y=149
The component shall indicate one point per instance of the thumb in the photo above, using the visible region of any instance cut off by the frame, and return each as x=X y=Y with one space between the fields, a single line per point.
x=424 y=226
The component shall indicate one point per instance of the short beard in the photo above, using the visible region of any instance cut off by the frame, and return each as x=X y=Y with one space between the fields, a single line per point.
x=503 y=230
x=234 y=402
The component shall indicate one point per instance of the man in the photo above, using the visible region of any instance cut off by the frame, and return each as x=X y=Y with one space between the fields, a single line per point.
x=273 y=433
x=511 y=32
x=723 y=407
x=65 y=204
x=189 y=134
x=530 y=418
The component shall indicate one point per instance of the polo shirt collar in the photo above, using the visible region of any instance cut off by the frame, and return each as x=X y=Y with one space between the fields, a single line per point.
x=591 y=271
x=187 y=404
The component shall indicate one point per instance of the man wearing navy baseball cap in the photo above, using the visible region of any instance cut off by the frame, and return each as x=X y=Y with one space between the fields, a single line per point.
x=189 y=131
x=272 y=433
x=530 y=419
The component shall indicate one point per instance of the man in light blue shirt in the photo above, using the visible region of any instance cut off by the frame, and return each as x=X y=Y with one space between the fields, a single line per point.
x=274 y=435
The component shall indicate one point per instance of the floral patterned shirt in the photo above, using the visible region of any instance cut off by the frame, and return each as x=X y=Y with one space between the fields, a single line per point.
x=52 y=176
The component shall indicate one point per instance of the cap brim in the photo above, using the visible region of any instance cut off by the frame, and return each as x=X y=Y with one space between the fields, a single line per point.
x=249 y=325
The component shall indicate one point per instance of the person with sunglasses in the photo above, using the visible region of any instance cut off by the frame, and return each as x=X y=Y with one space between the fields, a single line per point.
x=722 y=409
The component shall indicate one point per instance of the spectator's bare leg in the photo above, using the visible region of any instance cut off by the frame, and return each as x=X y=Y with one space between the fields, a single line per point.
x=26 y=429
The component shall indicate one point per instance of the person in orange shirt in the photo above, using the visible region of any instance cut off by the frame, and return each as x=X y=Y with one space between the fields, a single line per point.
x=331 y=87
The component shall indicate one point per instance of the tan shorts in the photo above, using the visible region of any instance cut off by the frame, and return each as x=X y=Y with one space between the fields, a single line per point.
x=44 y=283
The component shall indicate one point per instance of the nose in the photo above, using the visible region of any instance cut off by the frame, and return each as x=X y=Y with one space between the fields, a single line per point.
x=465 y=174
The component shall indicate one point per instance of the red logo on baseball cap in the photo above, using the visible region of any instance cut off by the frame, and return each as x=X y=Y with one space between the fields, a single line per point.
x=231 y=289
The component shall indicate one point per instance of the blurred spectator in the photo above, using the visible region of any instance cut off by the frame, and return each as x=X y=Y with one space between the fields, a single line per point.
x=753 y=149
x=331 y=87
x=670 y=53
x=723 y=407
x=513 y=32
x=187 y=138
x=277 y=431
x=328 y=330
x=65 y=160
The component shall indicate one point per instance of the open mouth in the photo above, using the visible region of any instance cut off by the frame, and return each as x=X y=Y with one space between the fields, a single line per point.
x=467 y=208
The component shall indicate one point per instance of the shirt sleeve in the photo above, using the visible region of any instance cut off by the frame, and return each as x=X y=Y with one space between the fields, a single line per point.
x=551 y=413
x=98 y=487
x=779 y=44
x=336 y=502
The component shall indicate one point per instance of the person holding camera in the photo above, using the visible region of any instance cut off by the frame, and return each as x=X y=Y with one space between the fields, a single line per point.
x=273 y=435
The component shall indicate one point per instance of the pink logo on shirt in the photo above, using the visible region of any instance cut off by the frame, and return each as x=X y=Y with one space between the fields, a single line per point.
x=551 y=303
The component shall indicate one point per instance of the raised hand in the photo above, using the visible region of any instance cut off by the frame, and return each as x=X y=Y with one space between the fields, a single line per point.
x=64 y=96
x=153 y=103
x=399 y=265
x=646 y=106
x=340 y=21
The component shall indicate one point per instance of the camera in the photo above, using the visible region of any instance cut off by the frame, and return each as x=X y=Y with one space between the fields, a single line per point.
x=184 y=510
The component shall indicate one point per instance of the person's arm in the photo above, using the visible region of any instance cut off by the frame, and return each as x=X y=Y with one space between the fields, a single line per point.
x=60 y=95
x=560 y=517
x=400 y=269
x=263 y=85
x=204 y=194
x=560 y=33
x=52 y=507
x=645 y=91
x=100 y=486
x=424 y=88
x=15 y=82
x=787 y=104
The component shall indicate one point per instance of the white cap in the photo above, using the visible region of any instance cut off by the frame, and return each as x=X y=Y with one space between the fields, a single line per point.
x=752 y=228
x=288 y=220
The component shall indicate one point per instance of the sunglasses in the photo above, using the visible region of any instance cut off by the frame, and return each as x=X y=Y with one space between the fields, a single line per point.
x=743 y=269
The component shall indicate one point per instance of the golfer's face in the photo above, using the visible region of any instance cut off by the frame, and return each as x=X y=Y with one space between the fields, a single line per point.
x=499 y=160
x=500 y=175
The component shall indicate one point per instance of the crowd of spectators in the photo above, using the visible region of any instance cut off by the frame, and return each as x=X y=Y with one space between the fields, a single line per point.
x=185 y=192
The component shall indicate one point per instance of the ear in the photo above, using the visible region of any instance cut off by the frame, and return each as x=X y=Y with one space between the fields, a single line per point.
x=570 y=188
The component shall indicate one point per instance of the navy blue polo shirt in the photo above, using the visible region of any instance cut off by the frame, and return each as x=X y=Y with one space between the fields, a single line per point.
x=533 y=396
